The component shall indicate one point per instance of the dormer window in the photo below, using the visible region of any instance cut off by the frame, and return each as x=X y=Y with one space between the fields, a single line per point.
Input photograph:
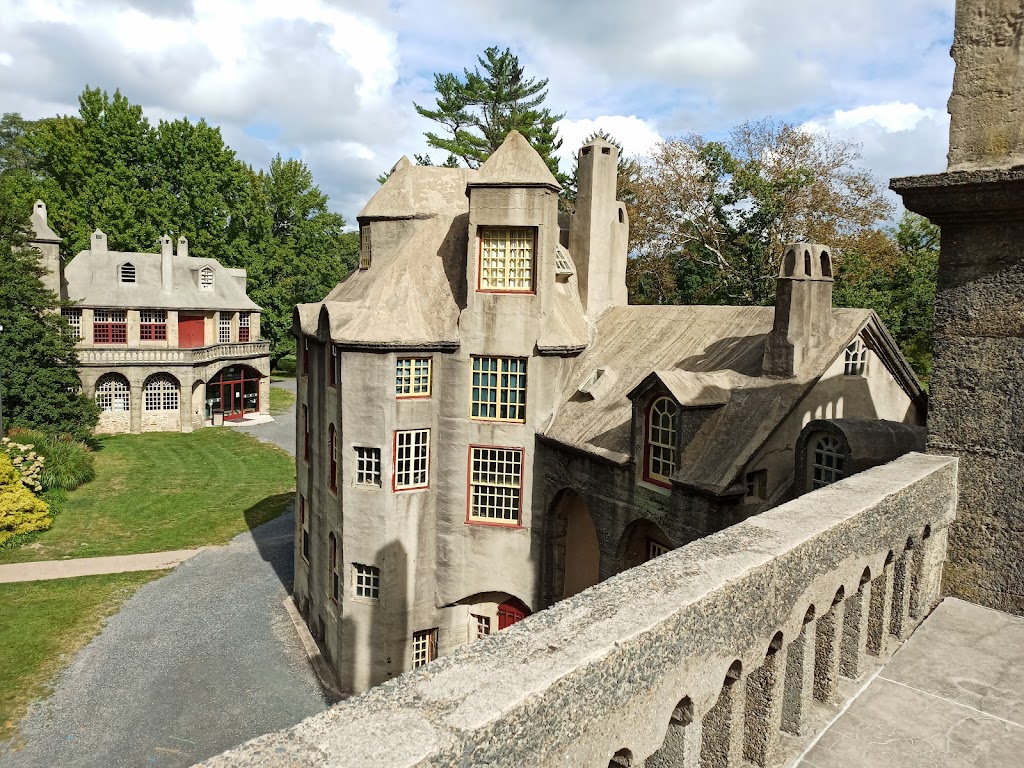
x=128 y=272
x=206 y=278
x=660 y=441
x=856 y=363
x=506 y=259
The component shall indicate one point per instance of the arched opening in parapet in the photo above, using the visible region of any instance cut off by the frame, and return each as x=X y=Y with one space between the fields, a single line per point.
x=581 y=555
x=641 y=541
x=234 y=391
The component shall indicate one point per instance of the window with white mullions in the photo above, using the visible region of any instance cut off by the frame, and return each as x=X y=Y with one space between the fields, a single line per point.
x=412 y=459
x=506 y=259
x=483 y=625
x=496 y=483
x=856 y=362
x=499 y=389
x=113 y=393
x=243 y=327
x=224 y=328
x=828 y=465
x=160 y=393
x=366 y=581
x=73 y=316
x=152 y=325
x=661 y=441
x=367 y=466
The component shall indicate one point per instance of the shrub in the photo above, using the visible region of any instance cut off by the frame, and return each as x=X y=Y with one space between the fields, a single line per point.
x=26 y=461
x=20 y=511
x=69 y=462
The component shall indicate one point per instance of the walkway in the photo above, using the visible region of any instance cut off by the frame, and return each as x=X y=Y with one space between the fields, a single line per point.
x=43 y=570
x=280 y=432
x=952 y=695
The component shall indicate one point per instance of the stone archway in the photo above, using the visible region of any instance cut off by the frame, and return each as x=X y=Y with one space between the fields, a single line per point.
x=642 y=540
x=577 y=556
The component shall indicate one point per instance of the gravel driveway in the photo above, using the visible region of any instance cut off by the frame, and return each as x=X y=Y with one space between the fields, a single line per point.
x=195 y=663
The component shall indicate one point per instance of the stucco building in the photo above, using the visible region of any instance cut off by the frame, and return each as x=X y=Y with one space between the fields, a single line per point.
x=166 y=342
x=486 y=427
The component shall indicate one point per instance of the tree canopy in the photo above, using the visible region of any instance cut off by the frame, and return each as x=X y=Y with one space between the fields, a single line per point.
x=479 y=109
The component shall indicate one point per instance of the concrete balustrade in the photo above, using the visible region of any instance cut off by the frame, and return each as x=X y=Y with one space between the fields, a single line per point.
x=701 y=657
x=106 y=357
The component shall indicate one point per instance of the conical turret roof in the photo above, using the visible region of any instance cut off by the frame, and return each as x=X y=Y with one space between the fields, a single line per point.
x=515 y=164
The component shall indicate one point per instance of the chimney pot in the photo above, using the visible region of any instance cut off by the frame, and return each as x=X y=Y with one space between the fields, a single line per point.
x=182 y=246
x=166 y=265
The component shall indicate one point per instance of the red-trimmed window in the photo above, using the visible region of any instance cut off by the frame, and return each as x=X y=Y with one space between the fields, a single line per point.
x=332 y=373
x=304 y=527
x=412 y=377
x=332 y=447
x=243 y=327
x=335 y=580
x=412 y=459
x=152 y=325
x=511 y=613
x=110 y=326
x=660 y=441
x=506 y=259
x=495 y=485
x=305 y=430
x=424 y=647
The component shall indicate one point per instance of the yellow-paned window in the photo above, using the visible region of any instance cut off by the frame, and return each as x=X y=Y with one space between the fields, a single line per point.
x=495 y=484
x=412 y=377
x=506 y=259
x=499 y=389
x=661 y=441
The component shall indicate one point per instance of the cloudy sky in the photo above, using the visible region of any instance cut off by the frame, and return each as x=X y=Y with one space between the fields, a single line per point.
x=333 y=81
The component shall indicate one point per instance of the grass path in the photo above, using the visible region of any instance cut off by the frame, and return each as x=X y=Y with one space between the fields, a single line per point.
x=165 y=491
x=43 y=623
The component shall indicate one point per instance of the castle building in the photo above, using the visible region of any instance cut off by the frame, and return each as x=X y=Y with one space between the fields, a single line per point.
x=166 y=342
x=485 y=426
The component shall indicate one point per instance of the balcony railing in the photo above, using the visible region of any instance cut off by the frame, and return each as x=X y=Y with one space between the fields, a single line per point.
x=725 y=652
x=144 y=356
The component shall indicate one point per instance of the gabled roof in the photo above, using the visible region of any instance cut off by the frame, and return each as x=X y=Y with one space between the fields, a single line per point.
x=93 y=281
x=704 y=355
x=515 y=164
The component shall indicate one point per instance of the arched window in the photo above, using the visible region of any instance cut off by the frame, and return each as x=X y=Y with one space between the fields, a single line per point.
x=660 y=443
x=160 y=393
x=206 y=278
x=127 y=272
x=113 y=395
x=856 y=363
x=827 y=462
x=332 y=449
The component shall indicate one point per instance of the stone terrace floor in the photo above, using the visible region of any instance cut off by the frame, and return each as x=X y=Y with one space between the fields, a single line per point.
x=952 y=695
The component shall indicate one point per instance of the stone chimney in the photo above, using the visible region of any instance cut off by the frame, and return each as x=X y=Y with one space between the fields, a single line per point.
x=47 y=242
x=166 y=265
x=599 y=229
x=183 y=247
x=803 y=309
x=98 y=242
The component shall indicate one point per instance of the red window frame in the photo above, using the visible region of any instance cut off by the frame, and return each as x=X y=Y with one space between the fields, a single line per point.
x=511 y=612
x=480 y=259
x=107 y=332
x=153 y=331
x=332 y=446
x=332 y=374
x=470 y=520
x=648 y=478
x=243 y=327
x=305 y=428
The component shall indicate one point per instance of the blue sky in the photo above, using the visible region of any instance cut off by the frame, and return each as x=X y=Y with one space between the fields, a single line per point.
x=333 y=81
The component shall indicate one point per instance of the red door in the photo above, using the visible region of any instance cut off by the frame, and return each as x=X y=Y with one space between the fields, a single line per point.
x=191 y=331
x=511 y=612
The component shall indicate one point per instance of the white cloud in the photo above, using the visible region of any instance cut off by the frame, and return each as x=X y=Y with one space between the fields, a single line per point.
x=892 y=117
x=637 y=136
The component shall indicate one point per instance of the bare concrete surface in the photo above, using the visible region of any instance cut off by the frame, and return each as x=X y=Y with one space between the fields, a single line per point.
x=198 y=661
x=94 y=566
x=953 y=695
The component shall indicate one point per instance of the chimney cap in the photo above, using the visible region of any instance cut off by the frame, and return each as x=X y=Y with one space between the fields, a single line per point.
x=807 y=261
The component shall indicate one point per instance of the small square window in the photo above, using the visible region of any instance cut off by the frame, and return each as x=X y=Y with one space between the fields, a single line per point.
x=412 y=377
x=481 y=625
x=506 y=259
x=424 y=647
x=367 y=466
x=366 y=581
x=757 y=485
x=655 y=549
x=495 y=485
x=498 y=389
x=152 y=325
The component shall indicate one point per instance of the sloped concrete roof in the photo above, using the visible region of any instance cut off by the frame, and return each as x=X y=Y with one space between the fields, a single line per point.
x=705 y=356
x=515 y=164
x=92 y=279
x=419 y=192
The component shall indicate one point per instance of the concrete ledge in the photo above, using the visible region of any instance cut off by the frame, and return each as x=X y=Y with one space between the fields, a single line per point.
x=320 y=666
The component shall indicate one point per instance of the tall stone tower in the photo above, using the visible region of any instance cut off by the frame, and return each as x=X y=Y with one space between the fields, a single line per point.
x=599 y=229
x=977 y=397
x=47 y=242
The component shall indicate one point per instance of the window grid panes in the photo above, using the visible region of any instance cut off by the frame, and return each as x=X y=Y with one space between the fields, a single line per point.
x=366 y=581
x=367 y=466
x=499 y=389
x=224 y=328
x=856 y=363
x=110 y=326
x=113 y=394
x=365 y=250
x=152 y=325
x=161 y=393
x=412 y=377
x=483 y=625
x=506 y=259
x=661 y=440
x=424 y=647
x=243 y=327
x=74 y=318
x=828 y=462
x=496 y=481
x=655 y=549
x=206 y=278
x=412 y=457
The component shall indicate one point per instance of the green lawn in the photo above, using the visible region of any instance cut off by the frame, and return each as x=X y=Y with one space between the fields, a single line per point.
x=284 y=368
x=42 y=623
x=163 y=491
x=280 y=400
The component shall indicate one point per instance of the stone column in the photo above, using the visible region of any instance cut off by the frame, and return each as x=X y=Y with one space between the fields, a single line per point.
x=763 y=709
x=879 y=609
x=827 y=640
x=855 y=632
x=929 y=584
x=137 y=400
x=979 y=328
x=681 y=748
x=185 y=403
x=899 y=619
x=798 y=691
x=722 y=739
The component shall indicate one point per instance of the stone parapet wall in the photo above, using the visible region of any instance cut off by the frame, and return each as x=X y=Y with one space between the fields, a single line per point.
x=703 y=656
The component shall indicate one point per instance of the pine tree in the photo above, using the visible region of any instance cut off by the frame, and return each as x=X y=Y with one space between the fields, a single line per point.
x=479 y=110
